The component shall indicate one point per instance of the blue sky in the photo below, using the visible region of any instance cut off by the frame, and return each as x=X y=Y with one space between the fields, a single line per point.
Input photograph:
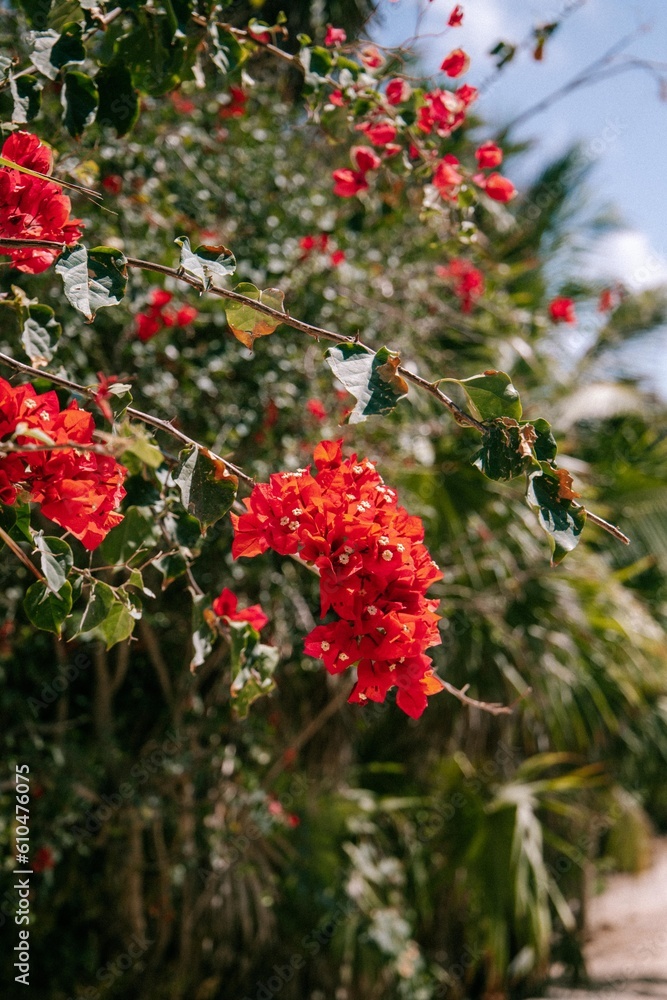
x=621 y=122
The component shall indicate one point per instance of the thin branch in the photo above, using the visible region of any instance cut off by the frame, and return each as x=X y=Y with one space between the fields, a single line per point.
x=493 y=708
x=610 y=528
x=19 y=553
x=146 y=418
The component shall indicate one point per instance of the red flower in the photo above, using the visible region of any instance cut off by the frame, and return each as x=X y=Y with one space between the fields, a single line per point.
x=489 y=155
x=161 y=297
x=334 y=36
x=337 y=257
x=147 y=325
x=79 y=490
x=561 y=310
x=371 y=57
x=113 y=183
x=456 y=17
x=225 y=606
x=379 y=133
x=234 y=107
x=309 y=244
x=349 y=182
x=336 y=97
x=102 y=395
x=441 y=112
x=447 y=179
x=315 y=407
x=365 y=158
x=182 y=105
x=456 y=63
x=186 y=315
x=468 y=282
x=31 y=208
x=467 y=94
x=398 y=91
x=374 y=571
x=498 y=188
x=43 y=860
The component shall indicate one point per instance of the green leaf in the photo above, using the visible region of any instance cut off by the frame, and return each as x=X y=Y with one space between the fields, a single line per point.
x=226 y=53
x=203 y=629
x=141 y=447
x=99 y=604
x=41 y=332
x=245 y=322
x=56 y=560
x=371 y=378
x=490 y=395
x=562 y=519
x=45 y=609
x=207 y=489
x=172 y=565
x=253 y=666
x=546 y=448
x=136 y=530
x=93 y=279
x=206 y=262
x=15 y=520
x=118 y=100
x=26 y=94
x=79 y=99
x=507 y=449
x=118 y=624
x=52 y=50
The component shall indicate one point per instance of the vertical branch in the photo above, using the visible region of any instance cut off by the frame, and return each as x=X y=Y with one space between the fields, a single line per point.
x=103 y=694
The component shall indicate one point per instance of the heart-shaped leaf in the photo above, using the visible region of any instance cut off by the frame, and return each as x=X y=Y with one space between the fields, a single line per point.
x=371 y=378
x=246 y=323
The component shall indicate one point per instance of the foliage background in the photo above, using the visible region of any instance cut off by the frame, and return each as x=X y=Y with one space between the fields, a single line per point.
x=346 y=852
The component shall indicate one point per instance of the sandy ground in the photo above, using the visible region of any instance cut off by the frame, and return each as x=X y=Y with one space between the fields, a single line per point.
x=626 y=953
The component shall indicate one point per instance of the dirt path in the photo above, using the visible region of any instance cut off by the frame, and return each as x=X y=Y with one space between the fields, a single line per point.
x=626 y=953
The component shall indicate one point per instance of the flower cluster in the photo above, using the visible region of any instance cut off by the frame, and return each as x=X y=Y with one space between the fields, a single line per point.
x=320 y=244
x=32 y=208
x=374 y=571
x=158 y=316
x=467 y=281
x=79 y=490
x=226 y=606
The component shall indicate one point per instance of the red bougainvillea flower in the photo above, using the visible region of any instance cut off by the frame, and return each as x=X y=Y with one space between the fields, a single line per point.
x=447 y=178
x=561 y=310
x=489 y=155
x=456 y=17
x=467 y=94
x=610 y=298
x=43 y=860
x=467 y=281
x=235 y=106
x=497 y=187
x=365 y=158
x=398 y=91
x=113 y=183
x=316 y=408
x=79 y=490
x=349 y=182
x=379 y=133
x=102 y=395
x=337 y=98
x=186 y=315
x=334 y=36
x=371 y=57
x=183 y=105
x=442 y=112
x=158 y=316
x=337 y=258
x=31 y=208
x=226 y=606
x=374 y=571
x=309 y=244
x=456 y=63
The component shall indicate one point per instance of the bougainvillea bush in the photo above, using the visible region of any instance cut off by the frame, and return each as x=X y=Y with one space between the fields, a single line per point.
x=292 y=646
